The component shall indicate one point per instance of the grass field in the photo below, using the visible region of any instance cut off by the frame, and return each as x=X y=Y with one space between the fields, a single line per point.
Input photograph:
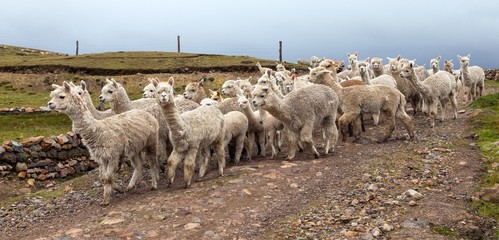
x=18 y=127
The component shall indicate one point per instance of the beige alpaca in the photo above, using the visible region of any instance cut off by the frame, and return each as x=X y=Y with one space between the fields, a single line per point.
x=113 y=139
x=262 y=69
x=215 y=95
x=301 y=111
x=195 y=91
x=191 y=133
x=403 y=85
x=366 y=99
x=438 y=88
x=149 y=90
x=236 y=127
x=256 y=130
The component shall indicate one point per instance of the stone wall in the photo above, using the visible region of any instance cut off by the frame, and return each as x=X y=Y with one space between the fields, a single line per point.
x=490 y=74
x=43 y=158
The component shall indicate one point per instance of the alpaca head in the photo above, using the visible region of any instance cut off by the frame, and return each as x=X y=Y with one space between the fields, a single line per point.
x=110 y=91
x=164 y=92
x=394 y=64
x=260 y=94
x=229 y=88
x=267 y=79
x=288 y=85
x=352 y=58
x=363 y=66
x=448 y=64
x=464 y=61
x=192 y=89
x=407 y=69
x=435 y=63
x=64 y=98
x=377 y=63
x=150 y=90
x=280 y=67
x=243 y=101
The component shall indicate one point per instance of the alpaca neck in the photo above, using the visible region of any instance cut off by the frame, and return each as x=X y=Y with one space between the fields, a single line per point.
x=435 y=69
x=378 y=72
x=200 y=95
x=87 y=125
x=465 y=71
x=448 y=69
x=418 y=85
x=90 y=105
x=331 y=80
x=175 y=122
x=122 y=103
x=365 y=77
x=253 y=121
x=277 y=108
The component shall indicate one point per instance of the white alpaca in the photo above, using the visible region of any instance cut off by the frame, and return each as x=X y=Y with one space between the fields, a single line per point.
x=149 y=89
x=256 y=130
x=473 y=77
x=435 y=65
x=438 y=88
x=301 y=111
x=236 y=127
x=112 y=140
x=262 y=69
x=199 y=130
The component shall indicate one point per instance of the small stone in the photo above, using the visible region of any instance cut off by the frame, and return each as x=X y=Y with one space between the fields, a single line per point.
x=31 y=182
x=318 y=174
x=414 y=194
x=21 y=167
x=412 y=203
x=372 y=187
x=354 y=202
x=376 y=232
x=294 y=185
x=366 y=236
x=74 y=232
x=151 y=234
x=209 y=233
x=111 y=221
x=22 y=175
x=387 y=227
x=189 y=226
x=463 y=163
x=415 y=223
x=42 y=177
x=351 y=234
x=25 y=190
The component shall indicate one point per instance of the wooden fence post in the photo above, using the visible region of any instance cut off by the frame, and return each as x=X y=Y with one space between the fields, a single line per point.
x=280 y=51
x=178 y=43
x=77 y=47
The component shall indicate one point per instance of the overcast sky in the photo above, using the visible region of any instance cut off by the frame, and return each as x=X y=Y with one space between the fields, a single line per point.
x=418 y=30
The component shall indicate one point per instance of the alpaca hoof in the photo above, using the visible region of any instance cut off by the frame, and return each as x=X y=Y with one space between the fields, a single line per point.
x=104 y=203
x=188 y=185
x=316 y=156
x=153 y=188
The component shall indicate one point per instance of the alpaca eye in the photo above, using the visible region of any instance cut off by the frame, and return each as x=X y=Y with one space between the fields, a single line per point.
x=193 y=90
x=151 y=90
x=110 y=91
x=62 y=97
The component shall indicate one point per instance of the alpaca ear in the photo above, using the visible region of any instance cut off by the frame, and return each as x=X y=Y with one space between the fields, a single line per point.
x=109 y=81
x=201 y=82
x=67 y=87
x=238 y=95
x=251 y=77
x=83 y=85
x=171 y=81
x=55 y=86
x=438 y=58
x=469 y=56
x=114 y=82
x=459 y=56
x=398 y=57
x=154 y=82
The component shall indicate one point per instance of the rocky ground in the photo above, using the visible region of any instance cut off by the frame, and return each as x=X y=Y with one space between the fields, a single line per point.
x=400 y=189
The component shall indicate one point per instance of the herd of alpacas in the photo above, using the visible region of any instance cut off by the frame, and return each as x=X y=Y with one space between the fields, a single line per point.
x=253 y=114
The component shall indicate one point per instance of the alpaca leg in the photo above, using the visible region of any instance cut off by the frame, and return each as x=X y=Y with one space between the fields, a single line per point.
x=154 y=170
x=137 y=171
x=220 y=153
x=453 y=103
x=292 y=138
x=357 y=126
x=331 y=133
x=251 y=143
x=261 y=143
x=204 y=155
x=376 y=118
x=239 y=147
x=406 y=119
x=271 y=136
x=173 y=161
x=391 y=126
x=306 y=137
x=433 y=113
x=189 y=164
x=107 y=181
x=344 y=120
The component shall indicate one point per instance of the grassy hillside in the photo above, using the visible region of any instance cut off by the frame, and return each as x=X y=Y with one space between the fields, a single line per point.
x=16 y=59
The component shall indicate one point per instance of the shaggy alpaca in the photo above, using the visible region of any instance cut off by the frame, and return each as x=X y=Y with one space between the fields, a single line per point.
x=112 y=140
x=256 y=130
x=314 y=61
x=191 y=132
x=449 y=67
x=384 y=79
x=301 y=111
x=366 y=99
x=473 y=77
x=195 y=91
x=404 y=85
x=439 y=87
x=236 y=127
x=273 y=128
x=378 y=67
x=435 y=65
x=149 y=89
x=303 y=62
